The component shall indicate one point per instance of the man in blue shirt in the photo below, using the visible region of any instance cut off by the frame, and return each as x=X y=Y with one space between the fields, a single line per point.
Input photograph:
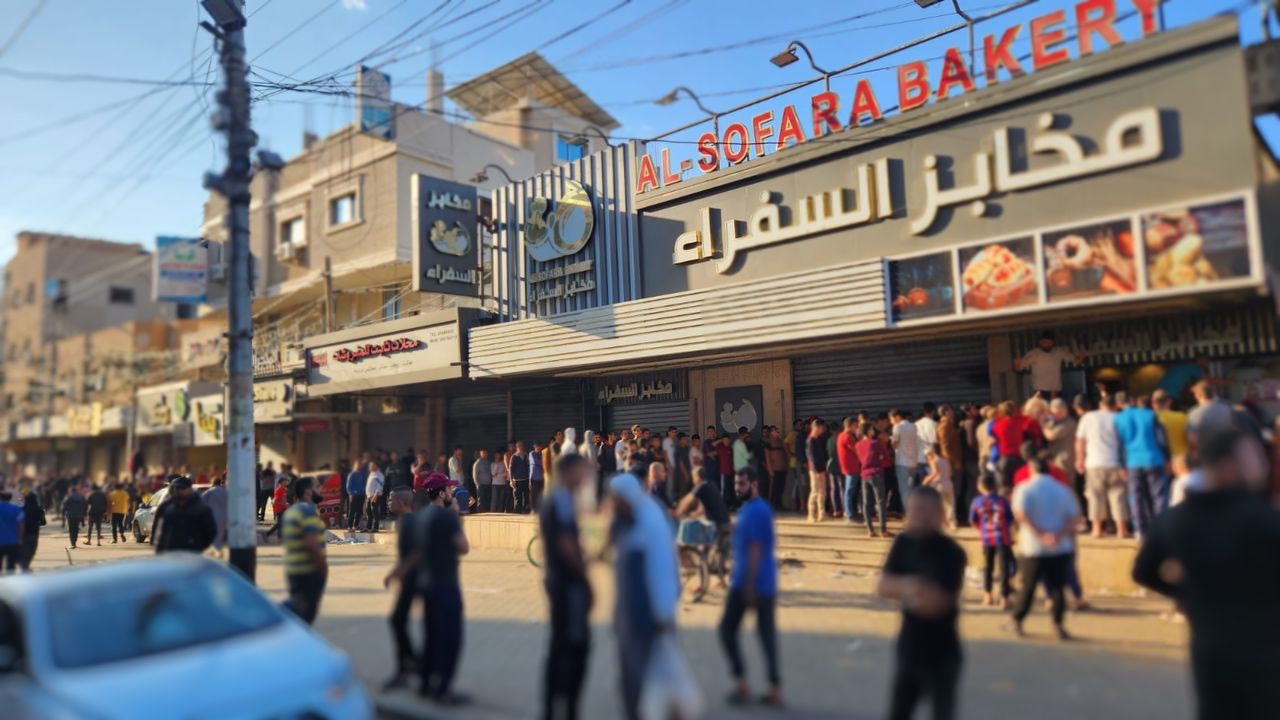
x=11 y=519
x=356 y=482
x=754 y=585
x=1141 y=439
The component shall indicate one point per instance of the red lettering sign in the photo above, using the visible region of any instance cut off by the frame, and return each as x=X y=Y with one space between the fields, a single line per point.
x=386 y=347
x=864 y=103
x=762 y=129
x=913 y=85
x=735 y=156
x=709 y=152
x=789 y=127
x=954 y=73
x=1043 y=38
x=1103 y=24
x=824 y=107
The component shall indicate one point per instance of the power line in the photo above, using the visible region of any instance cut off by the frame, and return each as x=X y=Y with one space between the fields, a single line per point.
x=22 y=26
x=296 y=29
x=583 y=25
x=630 y=28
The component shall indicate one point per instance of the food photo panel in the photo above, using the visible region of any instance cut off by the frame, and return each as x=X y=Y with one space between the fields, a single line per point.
x=1196 y=245
x=1090 y=261
x=921 y=287
x=998 y=275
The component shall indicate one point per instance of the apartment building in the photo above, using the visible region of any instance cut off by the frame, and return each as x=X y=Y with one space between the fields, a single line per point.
x=72 y=306
x=350 y=202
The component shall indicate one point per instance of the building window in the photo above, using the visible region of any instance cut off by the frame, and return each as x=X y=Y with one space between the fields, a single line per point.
x=342 y=210
x=567 y=150
x=31 y=293
x=293 y=232
x=120 y=296
x=390 y=304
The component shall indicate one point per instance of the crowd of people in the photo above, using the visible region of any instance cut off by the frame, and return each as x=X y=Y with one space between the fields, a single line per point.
x=1190 y=486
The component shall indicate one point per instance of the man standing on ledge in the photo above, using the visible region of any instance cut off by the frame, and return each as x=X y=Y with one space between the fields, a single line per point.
x=1045 y=363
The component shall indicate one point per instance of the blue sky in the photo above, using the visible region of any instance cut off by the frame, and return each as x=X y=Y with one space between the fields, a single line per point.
x=123 y=160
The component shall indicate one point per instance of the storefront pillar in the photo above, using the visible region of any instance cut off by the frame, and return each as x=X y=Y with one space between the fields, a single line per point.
x=1004 y=379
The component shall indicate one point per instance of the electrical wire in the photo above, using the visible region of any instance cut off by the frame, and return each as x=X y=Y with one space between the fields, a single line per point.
x=298 y=28
x=22 y=26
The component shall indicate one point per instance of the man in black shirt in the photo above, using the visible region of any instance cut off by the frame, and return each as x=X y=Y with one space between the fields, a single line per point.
x=403 y=503
x=186 y=523
x=568 y=591
x=520 y=478
x=925 y=572
x=97 y=512
x=1218 y=555
x=438 y=543
x=707 y=496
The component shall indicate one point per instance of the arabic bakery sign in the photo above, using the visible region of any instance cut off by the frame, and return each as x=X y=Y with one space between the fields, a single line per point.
x=405 y=355
x=1133 y=138
x=1052 y=37
x=634 y=389
x=1107 y=139
x=556 y=231
x=445 y=250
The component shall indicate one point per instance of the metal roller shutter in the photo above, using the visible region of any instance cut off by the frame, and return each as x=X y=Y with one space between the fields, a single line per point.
x=478 y=421
x=657 y=416
x=538 y=412
x=389 y=435
x=906 y=375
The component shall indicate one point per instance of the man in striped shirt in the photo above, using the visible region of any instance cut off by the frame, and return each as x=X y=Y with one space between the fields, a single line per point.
x=991 y=514
x=306 y=568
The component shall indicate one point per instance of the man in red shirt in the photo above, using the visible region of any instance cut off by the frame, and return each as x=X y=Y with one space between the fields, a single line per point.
x=1010 y=429
x=1024 y=473
x=724 y=452
x=850 y=466
x=872 y=459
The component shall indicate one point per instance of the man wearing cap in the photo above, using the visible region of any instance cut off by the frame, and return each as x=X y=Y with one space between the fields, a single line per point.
x=1045 y=364
x=185 y=522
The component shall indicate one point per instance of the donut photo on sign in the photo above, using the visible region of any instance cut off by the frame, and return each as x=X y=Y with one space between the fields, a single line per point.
x=1090 y=261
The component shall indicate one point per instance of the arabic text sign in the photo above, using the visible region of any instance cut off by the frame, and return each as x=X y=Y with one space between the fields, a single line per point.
x=993 y=173
x=180 y=270
x=633 y=389
x=446 y=245
x=1132 y=138
x=1095 y=30
x=409 y=351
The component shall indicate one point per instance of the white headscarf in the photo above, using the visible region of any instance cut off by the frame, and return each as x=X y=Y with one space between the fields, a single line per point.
x=651 y=534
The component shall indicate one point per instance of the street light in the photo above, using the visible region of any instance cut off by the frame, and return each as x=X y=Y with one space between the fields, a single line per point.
x=226 y=13
x=671 y=97
x=582 y=141
x=482 y=176
x=788 y=56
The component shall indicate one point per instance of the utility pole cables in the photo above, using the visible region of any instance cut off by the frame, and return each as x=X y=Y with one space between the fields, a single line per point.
x=232 y=118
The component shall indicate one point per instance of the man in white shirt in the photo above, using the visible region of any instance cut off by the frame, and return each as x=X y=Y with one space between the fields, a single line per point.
x=620 y=450
x=927 y=435
x=373 y=496
x=669 y=450
x=1047 y=513
x=906 y=453
x=1045 y=363
x=1098 y=459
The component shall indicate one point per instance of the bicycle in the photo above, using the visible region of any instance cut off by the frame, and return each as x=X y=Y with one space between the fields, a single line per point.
x=702 y=553
x=594 y=540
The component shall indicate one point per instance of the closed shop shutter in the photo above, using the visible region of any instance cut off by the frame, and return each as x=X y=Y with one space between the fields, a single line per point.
x=477 y=421
x=657 y=416
x=540 y=411
x=905 y=375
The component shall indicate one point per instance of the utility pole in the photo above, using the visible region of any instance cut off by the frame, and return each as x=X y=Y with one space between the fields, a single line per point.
x=232 y=118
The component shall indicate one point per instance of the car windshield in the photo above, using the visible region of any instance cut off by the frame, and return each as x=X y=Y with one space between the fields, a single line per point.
x=158 y=498
x=114 y=622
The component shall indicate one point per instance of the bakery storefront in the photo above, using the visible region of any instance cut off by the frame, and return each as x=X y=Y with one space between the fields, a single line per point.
x=1120 y=199
x=165 y=431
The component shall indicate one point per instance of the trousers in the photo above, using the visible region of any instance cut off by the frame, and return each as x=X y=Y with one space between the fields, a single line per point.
x=817 y=496
x=117 y=527
x=991 y=554
x=936 y=680
x=442 y=643
x=735 y=608
x=1052 y=571
x=399 y=621
x=521 y=497
x=874 y=485
x=305 y=591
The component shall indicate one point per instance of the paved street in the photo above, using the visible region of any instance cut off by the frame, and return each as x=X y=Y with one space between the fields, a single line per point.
x=837 y=650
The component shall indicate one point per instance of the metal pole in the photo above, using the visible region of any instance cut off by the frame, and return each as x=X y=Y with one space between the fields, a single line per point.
x=234 y=185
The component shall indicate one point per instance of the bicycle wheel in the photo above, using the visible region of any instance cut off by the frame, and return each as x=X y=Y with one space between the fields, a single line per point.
x=534 y=550
x=693 y=566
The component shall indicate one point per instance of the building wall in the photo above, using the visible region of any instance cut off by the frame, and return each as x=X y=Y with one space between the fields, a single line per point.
x=774 y=377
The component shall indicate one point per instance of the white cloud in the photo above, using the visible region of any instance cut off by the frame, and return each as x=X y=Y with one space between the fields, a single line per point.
x=355 y=4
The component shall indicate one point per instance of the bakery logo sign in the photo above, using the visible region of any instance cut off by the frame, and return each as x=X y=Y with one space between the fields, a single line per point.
x=1096 y=29
x=562 y=228
x=445 y=248
x=389 y=346
x=1132 y=138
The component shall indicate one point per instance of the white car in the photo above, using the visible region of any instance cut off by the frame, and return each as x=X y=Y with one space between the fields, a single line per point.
x=176 y=635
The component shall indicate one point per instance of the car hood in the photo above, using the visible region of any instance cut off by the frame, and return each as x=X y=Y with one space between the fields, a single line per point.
x=283 y=670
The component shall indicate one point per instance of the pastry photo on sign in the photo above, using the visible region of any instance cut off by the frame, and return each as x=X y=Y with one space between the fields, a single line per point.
x=1196 y=245
x=921 y=287
x=998 y=275
x=1090 y=261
